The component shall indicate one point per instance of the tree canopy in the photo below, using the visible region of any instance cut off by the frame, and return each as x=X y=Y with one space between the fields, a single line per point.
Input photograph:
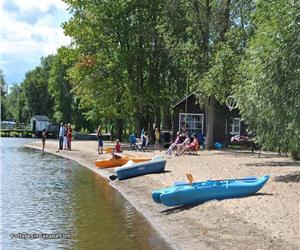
x=130 y=61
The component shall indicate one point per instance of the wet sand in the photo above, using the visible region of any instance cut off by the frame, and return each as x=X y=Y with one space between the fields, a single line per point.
x=268 y=220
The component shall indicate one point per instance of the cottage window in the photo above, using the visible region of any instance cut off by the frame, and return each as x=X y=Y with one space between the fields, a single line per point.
x=235 y=126
x=193 y=123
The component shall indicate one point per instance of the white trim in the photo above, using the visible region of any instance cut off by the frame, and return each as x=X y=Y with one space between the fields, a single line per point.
x=192 y=114
x=232 y=132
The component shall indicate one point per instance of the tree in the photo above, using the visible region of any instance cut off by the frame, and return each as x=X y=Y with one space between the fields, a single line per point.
x=60 y=89
x=123 y=68
x=38 y=97
x=208 y=38
x=3 y=87
x=270 y=76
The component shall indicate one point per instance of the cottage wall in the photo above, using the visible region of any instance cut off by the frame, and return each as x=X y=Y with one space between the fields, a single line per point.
x=222 y=118
x=40 y=125
x=191 y=107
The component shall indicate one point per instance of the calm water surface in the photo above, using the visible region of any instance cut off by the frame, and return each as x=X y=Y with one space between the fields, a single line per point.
x=43 y=193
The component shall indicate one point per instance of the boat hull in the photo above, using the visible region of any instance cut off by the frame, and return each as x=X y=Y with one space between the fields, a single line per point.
x=112 y=162
x=138 y=169
x=185 y=194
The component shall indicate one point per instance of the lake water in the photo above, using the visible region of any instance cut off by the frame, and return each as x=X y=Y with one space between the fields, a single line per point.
x=44 y=196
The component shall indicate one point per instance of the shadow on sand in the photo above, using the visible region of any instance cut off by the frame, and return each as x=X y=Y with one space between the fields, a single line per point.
x=245 y=152
x=293 y=177
x=274 y=164
x=179 y=209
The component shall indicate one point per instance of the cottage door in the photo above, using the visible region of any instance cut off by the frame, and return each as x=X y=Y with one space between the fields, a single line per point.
x=33 y=125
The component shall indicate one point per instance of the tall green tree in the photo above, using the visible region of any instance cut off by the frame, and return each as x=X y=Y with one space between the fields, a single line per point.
x=60 y=89
x=269 y=98
x=208 y=37
x=17 y=104
x=39 y=99
x=123 y=68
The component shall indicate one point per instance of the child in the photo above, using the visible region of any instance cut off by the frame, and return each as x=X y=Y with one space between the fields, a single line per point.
x=100 y=141
x=118 y=147
x=44 y=135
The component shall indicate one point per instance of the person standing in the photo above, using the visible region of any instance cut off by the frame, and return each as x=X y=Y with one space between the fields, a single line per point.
x=65 y=136
x=61 y=136
x=69 y=135
x=142 y=132
x=100 y=141
x=44 y=135
x=157 y=138
x=145 y=141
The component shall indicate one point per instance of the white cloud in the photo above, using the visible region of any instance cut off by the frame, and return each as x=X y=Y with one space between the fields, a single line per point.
x=41 y=5
x=26 y=39
x=29 y=30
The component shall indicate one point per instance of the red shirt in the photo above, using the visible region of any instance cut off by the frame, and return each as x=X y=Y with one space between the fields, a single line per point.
x=69 y=133
x=118 y=148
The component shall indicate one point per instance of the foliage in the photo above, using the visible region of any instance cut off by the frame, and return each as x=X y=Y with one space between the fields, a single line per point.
x=39 y=99
x=130 y=61
x=3 y=108
x=60 y=89
x=122 y=67
x=270 y=73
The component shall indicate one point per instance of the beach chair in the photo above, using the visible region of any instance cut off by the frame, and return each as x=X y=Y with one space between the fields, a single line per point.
x=194 y=150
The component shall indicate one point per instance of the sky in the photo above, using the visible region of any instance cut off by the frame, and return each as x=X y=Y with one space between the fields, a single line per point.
x=30 y=29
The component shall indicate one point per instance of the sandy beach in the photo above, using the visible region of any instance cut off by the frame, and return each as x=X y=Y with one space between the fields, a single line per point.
x=268 y=220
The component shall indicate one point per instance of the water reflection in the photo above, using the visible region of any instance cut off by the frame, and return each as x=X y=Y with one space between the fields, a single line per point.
x=48 y=194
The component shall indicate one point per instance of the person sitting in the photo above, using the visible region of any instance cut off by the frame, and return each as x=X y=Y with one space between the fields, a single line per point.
x=173 y=145
x=182 y=145
x=132 y=140
x=194 y=146
x=118 y=147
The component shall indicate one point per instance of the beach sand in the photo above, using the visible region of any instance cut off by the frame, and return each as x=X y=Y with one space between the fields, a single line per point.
x=267 y=220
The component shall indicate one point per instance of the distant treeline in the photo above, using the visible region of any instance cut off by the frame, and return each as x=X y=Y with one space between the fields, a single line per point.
x=130 y=61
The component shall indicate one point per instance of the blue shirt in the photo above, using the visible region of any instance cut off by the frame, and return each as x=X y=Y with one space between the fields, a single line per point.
x=61 y=131
x=132 y=139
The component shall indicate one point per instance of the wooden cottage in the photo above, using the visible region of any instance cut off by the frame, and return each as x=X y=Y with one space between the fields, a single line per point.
x=191 y=116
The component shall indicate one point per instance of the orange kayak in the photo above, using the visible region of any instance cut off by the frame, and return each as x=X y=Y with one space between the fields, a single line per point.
x=113 y=162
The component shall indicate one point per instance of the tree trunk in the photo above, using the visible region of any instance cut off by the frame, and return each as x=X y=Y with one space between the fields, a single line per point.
x=119 y=128
x=157 y=118
x=295 y=154
x=225 y=21
x=167 y=119
x=210 y=123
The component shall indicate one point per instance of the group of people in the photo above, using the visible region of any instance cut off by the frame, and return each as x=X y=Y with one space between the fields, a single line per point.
x=184 y=143
x=65 y=136
x=143 y=142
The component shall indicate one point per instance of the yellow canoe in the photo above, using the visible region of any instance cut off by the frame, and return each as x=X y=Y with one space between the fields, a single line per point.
x=113 y=162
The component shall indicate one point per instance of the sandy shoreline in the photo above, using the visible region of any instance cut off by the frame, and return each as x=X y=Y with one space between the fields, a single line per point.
x=268 y=220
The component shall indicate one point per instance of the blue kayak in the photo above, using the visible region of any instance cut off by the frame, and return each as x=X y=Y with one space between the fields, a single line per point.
x=184 y=193
x=131 y=169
